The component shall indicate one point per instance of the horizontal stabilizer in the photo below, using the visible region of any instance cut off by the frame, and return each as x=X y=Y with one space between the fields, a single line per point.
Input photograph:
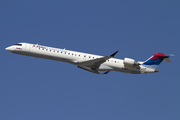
x=165 y=55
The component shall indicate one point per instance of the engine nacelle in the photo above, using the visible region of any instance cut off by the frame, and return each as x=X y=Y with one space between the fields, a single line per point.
x=130 y=62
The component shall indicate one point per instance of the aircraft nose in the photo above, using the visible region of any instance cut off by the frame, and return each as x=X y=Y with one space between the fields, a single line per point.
x=9 y=49
x=6 y=48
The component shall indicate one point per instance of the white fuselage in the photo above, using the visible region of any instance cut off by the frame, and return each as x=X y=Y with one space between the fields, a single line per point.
x=74 y=57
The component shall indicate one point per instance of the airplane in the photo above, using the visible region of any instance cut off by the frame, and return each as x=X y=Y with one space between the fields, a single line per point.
x=90 y=62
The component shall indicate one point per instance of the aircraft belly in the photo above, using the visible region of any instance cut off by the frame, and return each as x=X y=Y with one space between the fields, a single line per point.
x=127 y=70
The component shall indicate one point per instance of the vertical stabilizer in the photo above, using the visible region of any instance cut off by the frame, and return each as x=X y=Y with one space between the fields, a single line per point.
x=156 y=59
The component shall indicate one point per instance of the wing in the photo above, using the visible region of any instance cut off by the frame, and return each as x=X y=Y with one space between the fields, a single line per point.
x=93 y=65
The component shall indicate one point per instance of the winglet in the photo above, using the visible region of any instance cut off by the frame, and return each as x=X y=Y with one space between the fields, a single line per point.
x=106 y=73
x=112 y=55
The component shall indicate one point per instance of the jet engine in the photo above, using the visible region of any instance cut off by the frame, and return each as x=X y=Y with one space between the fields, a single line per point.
x=130 y=62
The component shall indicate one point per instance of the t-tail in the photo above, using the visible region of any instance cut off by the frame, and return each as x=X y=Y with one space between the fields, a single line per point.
x=156 y=59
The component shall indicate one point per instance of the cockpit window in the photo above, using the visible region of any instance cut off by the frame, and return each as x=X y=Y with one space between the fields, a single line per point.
x=18 y=44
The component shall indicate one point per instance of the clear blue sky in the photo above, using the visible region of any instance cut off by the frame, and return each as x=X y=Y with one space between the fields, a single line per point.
x=38 y=89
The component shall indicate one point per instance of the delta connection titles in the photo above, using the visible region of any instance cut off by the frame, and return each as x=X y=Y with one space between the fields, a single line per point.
x=49 y=48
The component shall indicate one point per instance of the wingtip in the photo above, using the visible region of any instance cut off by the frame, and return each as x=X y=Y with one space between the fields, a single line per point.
x=112 y=55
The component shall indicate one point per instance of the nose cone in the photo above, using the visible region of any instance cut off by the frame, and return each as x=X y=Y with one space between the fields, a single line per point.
x=6 y=48
x=9 y=49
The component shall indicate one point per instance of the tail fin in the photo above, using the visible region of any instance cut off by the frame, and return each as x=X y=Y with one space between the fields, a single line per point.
x=156 y=59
